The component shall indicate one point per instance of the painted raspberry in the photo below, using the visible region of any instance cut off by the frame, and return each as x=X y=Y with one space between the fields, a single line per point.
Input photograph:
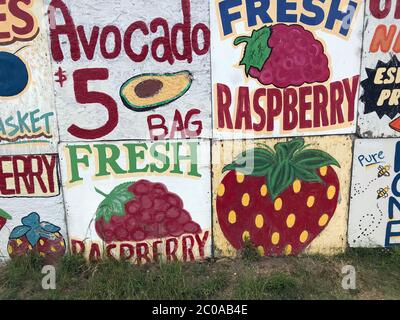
x=281 y=203
x=37 y=236
x=137 y=211
x=284 y=55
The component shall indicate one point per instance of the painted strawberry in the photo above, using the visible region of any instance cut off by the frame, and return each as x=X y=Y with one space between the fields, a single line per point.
x=284 y=55
x=280 y=199
x=137 y=211
x=37 y=236
x=4 y=216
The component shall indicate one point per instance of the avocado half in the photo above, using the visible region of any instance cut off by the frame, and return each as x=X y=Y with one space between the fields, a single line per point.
x=148 y=91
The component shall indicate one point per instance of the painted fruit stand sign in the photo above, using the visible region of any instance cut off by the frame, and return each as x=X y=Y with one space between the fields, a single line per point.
x=27 y=114
x=138 y=201
x=282 y=196
x=284 y=68
x=131 y=69
x=379 y=112
x=374 y=208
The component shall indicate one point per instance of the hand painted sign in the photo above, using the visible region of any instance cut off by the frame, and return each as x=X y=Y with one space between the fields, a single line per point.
x=379 y=112
x=374 y=208
x=27 y=119
x=143 y=201
x=29 y=176
x=285 y=68
x=149 y=70
x=285 y=197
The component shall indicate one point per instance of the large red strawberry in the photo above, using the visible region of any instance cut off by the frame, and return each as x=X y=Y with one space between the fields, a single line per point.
x=284 y=55
x=280 y=199
x=4 y=216
x=37 y=236
x=136 y=211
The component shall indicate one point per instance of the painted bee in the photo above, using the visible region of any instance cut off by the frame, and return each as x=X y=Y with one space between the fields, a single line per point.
x=384 y=171
x=383 y=193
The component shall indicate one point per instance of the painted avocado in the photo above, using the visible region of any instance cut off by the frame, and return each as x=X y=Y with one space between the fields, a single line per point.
x=13 y=75
x=149 y=91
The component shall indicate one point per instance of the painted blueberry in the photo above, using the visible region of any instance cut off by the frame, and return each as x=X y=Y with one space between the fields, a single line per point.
x=13 y=75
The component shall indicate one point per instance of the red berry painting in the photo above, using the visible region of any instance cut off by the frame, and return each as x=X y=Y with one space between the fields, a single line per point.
x=279 y=199
x=36 y=236
x=142 y=210
x=284 y=55
x=4 y=216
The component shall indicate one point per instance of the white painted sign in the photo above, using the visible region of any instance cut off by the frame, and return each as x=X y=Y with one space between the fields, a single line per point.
x=374 y=219
x=379 y=112
x=131 y=69
x=138 y=200
x=285 y=68
x=28 y=123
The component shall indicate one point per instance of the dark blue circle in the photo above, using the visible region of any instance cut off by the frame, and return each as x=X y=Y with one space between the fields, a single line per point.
x=13 y=75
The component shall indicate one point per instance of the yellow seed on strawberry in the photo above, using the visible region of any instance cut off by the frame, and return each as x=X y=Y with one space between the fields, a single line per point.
x=246 y=200
x=304 y=236
x=19 y=242
x=323 y=171
x=10 y=249
x=291 y=220
x=62 y=243
x=261 y=251
x=41 y=242
x=259 y=221
x=278 y=204
x=42 y=254
x=310 y=201
x=323 y=220
x=221 y=190
x=275 y=238
x=246 y=236
x=53 y=249
x=232 y=217
x=239 y=177
x=264 y=190
x=331 y=192
x=297 y=186
x=288 y=250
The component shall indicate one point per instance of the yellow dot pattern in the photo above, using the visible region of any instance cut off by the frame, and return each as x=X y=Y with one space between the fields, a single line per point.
x=9 y=249
x=259 y=221
x=19 y=242
x=53 y=249
x=278 y=204
x=310 y=201
x=304 y=236
x=62 y=243
x=41 y=242
x=221 y=190
x=297 y=186
x=264 y=190
x=275 y=238
x=245 y=200
x=323 y=220
x=291 y=220
x=331 y=192
x=239 y=177
x=261 y=251
x=232 y=217
x=246 y=236
x=323 y=171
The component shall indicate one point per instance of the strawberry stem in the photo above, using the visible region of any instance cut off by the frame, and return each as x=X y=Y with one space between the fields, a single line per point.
x=242 y=39
x=105 y=195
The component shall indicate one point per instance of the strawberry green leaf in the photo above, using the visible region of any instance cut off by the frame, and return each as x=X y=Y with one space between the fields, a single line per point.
x=257 y=50
x=280 y=178
x=289 y=161
x=114 y=203
x=255 y=162
x=5 y=215
x=314 y=159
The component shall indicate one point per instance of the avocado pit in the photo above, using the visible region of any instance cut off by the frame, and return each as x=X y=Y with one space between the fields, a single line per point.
x=148 y=88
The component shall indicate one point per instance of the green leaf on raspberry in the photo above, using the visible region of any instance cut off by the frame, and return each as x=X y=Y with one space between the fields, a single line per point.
x=5 y=215
x=288 y=161
x=257 y=50
x=114 y=203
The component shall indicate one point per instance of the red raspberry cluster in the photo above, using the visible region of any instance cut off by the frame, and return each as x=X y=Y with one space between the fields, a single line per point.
x=153 y=213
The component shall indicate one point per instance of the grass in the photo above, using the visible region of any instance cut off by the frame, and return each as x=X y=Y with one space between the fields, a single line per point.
x=250 y=277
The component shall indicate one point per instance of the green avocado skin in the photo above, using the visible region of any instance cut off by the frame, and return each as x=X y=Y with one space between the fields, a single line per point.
x=144 y=108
